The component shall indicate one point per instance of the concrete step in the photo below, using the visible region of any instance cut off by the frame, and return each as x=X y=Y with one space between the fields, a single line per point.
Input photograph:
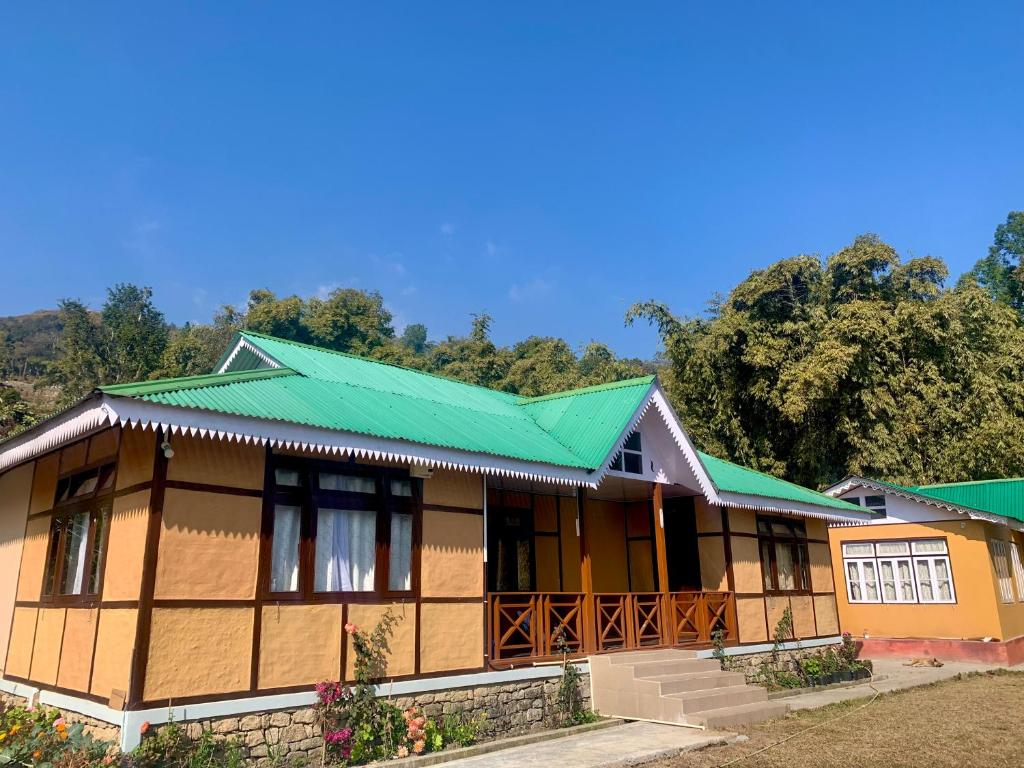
x=633 y=657
x=716 y=698
x=745 y=714
x=693 y=681
x=674 y=667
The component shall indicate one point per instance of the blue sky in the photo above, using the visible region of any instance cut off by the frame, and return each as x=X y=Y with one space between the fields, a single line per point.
x=548 y=163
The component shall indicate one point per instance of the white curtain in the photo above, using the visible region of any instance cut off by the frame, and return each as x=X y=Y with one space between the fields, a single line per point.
x=400 y=567
x=784 y=566
x=284 y=555
x=75 y=557
x=345 y=550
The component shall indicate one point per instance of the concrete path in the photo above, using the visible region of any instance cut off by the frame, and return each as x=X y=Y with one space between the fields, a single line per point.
x=623 y=745
x=896 y=677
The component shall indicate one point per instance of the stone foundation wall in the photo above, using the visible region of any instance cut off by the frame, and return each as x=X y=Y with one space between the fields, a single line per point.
x=293 y=736
x=750 y=663
x=99 y=729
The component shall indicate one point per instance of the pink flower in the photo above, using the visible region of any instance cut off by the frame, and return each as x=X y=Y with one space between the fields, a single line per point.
x=58 y=722
x=351 y=628
x=403 y=751
x=418 y=746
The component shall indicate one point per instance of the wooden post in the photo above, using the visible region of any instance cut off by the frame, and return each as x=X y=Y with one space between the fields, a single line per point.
x=661 y=552
x=586 y=574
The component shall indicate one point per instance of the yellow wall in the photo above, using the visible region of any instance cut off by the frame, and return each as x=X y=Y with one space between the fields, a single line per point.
x=402 y=660
x=287 y=655
x=216 y=462
x=1011 y=615
x=974 y=615
x=126 y=547
x=135 y=460
x=451 y=637
x=115 y=642
x=452 y=558
x=606 y=539
x=15 y=492
x=77 y=648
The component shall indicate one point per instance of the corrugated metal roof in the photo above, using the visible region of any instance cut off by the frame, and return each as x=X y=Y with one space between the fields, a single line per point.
x=1000 y=497
x=736 y=479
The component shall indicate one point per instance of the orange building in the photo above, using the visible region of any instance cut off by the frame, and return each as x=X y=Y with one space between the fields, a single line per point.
x=194 y=547
x=937 y=571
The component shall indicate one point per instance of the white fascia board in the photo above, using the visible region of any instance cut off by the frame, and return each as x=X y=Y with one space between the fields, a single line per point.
x=847 y=485
x=83 y=418
x=656 y=398
x=280 y=434
x=248 y=347
x=800 y=508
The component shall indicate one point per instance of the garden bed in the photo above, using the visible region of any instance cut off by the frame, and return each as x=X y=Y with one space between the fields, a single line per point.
x=785 y=693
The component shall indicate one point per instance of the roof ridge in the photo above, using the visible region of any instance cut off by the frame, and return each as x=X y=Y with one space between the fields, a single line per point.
x=351 y=356
x=155 y=386
x=970 y=482
x=589 y=389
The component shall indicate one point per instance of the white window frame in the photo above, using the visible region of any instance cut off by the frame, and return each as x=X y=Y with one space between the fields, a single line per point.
x=880 y=509
x=913 y=555
x=619 y=462
x=895 y=561
x=1018 y=569
x=860 y=562
x=931 y=560
x=997 y=551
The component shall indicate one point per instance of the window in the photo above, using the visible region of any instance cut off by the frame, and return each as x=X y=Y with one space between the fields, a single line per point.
x=898 y=572
x=784 y=561
x=997 y=548
x=631 y=458
x=1018 y=569
x=78 y=535
x=875 y=504
x=340 y=529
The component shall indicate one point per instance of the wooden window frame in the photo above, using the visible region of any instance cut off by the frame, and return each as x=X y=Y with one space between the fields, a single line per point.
x=309 y=497
x=97 y=503
x=800 y=554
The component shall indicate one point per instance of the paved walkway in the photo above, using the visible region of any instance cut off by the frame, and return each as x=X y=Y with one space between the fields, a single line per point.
x=636 y=743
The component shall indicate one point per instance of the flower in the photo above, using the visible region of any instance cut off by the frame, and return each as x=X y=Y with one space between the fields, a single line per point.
x=15 y=728
x=144 y=728
x=418 y=746
x=403 y=751
x=37 y=754
x=2 y=735
x=351 y=628
x=60 y=723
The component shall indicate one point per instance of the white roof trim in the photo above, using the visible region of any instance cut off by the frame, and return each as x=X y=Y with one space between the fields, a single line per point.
x=85 y=417
x=249 y=347
x=847 y=485
x=804 y=509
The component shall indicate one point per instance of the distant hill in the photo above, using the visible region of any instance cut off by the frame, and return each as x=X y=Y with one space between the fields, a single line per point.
x=28 y=343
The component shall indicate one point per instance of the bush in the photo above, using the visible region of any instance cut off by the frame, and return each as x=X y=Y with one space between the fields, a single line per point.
x=40 y=736
x=172 y=747
x=569 y=699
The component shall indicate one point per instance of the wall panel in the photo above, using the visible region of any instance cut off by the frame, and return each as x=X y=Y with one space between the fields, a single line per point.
x=750 y=616
x=746 y=564
x=606 y=539
x=803 y=616
x=570 y=544
x=115 y=639
x=451 y=636
x=452 y=557
x=15 y=494
x=44 y=483
x=821 y=568
x=198 y=651
x=33 y=558
x=46 y=652
x=77 y=649
x=23 y=638
x=713 y=575
x=216 y=462
x=402 y=660
x=299 y=645
x=126 y=547
x=454 y=489
x=135 y=460
x=825 y=615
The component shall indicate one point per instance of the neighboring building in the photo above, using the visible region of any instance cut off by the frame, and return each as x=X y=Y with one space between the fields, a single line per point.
x=936 y=572
x=202 y=542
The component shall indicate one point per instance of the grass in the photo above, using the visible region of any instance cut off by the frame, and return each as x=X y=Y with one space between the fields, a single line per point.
x=972 y=720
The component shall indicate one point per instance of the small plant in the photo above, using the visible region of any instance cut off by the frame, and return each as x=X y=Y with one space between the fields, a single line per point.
x=718 y=649
x=811 y=666
x=848 y=650
x=569 y=699
x=33 y=736
x=771 y=673
x=172 y=746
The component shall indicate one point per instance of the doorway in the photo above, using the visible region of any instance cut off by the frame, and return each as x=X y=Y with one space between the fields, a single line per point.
x=681 y=544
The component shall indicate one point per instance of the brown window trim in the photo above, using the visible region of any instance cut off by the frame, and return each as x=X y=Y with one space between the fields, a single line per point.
x=309 y=497
x=53 y=574
x=801 y=556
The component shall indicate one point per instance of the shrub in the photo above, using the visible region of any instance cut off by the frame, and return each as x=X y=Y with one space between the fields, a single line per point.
x=40 y=736
x=569 y=699
x=172 y=747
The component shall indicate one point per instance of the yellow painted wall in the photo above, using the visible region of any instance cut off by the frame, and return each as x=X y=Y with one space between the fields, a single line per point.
x=115 y=639
x=44 y=483
x=803 y=615
x=217 y=536
x=826 y=615
x=299 y=645
x=546 y=556
x=46 y=652
x=197 y=651
x=103 y=445
x=135 y=460
x=606 y=539
x=15 y=493
x=570 y=543
x=76 y=649
x=750 y=618
x=451 y=557
x=713 y=575
x=74 y=456
x=451 y=636
x=709 y=518
x=641 y=566
x=1011 y=615
x=216 y=462
x=126 y=547
x=454 y=489
x=746 y=564
x=742 y=520
x=775 y=607
x=974 y=615
x=33 y=558
x=23 y=637
x=402 y=660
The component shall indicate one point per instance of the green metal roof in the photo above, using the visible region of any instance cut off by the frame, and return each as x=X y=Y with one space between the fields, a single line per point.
x=316 y=387
x=1000 y=497
x=736 y=479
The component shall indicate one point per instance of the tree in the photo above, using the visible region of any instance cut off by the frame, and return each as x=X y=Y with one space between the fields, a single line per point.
x=348 y=320
x=1001 y=272
x=15 y=413
x=195 y=349
x=276 y=317
x=474 y=359
x=78 y=367
x=540 y=365
x=414 y=337
x=134 y=334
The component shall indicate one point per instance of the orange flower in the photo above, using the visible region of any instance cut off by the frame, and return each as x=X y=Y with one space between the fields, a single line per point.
x=36 y=755
x=418 y=746
x=144 y=728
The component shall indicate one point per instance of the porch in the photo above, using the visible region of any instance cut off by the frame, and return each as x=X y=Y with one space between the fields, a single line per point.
x=612 y=569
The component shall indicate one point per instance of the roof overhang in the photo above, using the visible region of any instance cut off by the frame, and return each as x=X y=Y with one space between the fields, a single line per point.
x=855 y=481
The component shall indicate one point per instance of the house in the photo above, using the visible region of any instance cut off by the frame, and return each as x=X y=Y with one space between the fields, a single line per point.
x=936 y=571
x=195 y=546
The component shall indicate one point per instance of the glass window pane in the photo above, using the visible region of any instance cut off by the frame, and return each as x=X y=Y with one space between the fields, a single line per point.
x=51 y=557
x=75 y=554
x=632 y=442
x=781 y=529
x=893 y=548
x=766 y=565
x=401 y=488
x=924 y=581
x=96 y=556
x=858 y=550
x=870 y=581
x=874 y=501
x=288 y=477
x=888 y=573
x=784 y=566
x=400 y=564
x=346 y=550
x=853 y=580
x=284 y=553
x=633 y=463
x=330 y=481
x=929 y=547
x=106 y=477
x=906 y=580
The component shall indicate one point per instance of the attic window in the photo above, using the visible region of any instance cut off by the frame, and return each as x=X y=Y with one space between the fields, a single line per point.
x=631 y=458
x=875 y=504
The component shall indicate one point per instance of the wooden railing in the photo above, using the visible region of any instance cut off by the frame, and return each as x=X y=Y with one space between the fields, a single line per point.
x=537 y=624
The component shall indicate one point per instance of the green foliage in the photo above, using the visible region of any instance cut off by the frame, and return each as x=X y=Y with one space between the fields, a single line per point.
x=812 y=370
x=811 y=666
x=774 y=672
x=133 y=334
x=569 y=702
x=171 y=747
x=31 y=736
x=15 y=413
x=718 y=648
x=1001 y=272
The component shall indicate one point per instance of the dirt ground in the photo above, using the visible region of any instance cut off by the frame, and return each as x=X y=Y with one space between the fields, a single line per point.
x=975 y=720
